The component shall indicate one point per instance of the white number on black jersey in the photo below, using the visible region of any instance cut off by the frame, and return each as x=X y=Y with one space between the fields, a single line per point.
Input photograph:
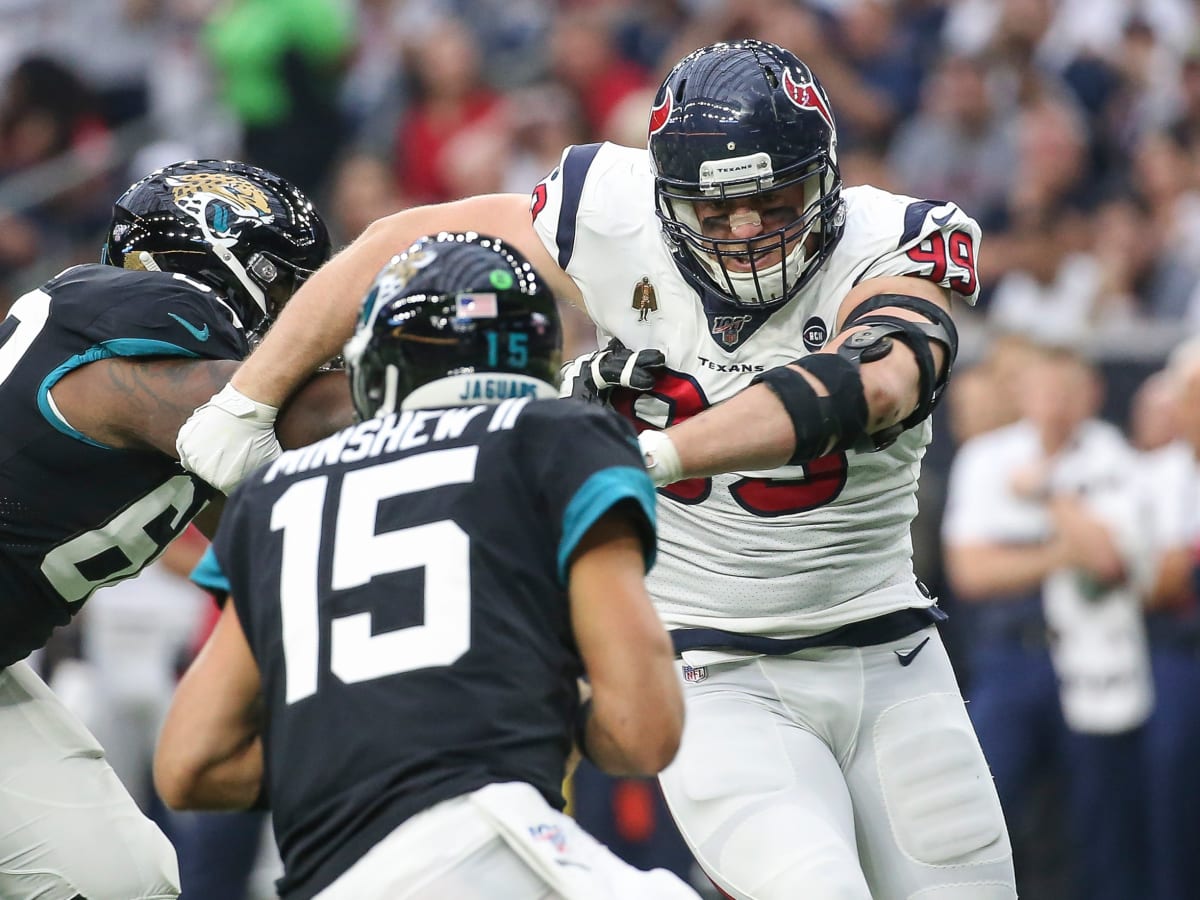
x=359 y=554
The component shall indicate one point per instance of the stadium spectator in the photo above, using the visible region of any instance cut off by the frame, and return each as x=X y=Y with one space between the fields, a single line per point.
x=882 y=58
x=1164 y=181
x=278 y=64
x=585 y=58
x=957 y=145
x=448 y=97
x=1171 y=528
x=362 y=188
x=1040 y=527
x=1153 y=414
x=48 y=112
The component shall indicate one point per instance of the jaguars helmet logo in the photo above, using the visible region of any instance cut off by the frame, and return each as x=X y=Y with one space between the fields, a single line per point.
x=403 y=267
x=219 y=203
x=390 y=282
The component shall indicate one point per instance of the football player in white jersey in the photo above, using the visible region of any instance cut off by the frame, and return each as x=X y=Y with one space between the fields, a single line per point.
x=827 y=752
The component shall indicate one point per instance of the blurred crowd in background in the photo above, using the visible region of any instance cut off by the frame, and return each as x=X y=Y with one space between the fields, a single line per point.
x=1069 y=128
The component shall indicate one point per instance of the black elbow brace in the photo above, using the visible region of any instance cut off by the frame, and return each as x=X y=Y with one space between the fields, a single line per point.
x=875 y=342
x=841 y=417
x=838 y=421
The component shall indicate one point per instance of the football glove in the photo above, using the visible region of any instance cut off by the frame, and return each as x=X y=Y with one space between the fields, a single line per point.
x=227 y=438
x=592 y=377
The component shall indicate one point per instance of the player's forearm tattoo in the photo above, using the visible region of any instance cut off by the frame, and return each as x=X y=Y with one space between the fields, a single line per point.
x=169 y=387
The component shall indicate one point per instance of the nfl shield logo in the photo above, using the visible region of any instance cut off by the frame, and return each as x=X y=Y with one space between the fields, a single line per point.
x=694 y=674
x=729 y=328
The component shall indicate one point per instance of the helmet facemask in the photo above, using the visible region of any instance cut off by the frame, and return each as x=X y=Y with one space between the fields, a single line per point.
x=747 y=121
x=795 y=217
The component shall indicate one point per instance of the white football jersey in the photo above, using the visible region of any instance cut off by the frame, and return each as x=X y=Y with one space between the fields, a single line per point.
x=1099 y=653
x=1169 y=479
x=797 y=550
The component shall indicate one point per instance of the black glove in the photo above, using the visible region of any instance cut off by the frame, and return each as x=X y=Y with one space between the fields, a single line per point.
x=592 y=376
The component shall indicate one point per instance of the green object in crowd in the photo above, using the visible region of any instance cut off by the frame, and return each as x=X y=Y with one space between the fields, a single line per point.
x=248 y=41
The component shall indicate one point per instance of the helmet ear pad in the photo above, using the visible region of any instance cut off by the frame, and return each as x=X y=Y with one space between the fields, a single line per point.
x=250 y=235
x=445 y=316
x=742 y=120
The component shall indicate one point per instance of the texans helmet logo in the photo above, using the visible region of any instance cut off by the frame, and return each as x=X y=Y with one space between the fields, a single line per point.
x=662 y=112
x=806 y=96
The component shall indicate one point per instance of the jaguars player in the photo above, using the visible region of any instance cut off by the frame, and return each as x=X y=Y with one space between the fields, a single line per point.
x=827 y=752
x=98 y=367
x=413 y=601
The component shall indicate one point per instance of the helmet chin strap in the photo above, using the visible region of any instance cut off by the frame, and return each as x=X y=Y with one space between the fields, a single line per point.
x=239 y=272
x=220 y=246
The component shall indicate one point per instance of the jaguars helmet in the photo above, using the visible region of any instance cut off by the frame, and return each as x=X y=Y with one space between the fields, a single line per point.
x=457 y=318
x=243 y=231
x=747 y=119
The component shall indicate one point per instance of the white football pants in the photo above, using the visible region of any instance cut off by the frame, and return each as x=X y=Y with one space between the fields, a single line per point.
x=839 y=774
x=67 y=825
x=502 y=842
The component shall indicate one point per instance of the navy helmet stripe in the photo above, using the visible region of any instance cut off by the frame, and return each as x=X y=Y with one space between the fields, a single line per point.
x=574 y=172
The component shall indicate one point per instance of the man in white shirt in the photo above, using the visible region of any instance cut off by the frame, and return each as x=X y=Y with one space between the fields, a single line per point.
x=1170 y=478
x=1039 y=524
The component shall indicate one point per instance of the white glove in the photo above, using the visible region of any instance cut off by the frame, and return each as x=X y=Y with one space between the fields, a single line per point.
x=661 y=457
x=227 y=438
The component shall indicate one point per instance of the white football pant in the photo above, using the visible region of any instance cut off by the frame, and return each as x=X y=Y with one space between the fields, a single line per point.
x=67 y=825
x=502 y=842
x=839 y=774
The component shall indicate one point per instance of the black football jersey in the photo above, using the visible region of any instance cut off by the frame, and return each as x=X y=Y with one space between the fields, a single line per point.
x=74 y=514
x=402 y=585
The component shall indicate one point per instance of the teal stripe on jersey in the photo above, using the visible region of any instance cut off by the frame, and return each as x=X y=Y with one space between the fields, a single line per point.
x=208 y=575
x=119 y=347
x=600 y=493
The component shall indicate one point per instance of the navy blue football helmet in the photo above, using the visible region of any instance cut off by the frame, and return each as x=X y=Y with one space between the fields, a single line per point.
x=457 y=318
x=746 y=120
x=248 y=234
